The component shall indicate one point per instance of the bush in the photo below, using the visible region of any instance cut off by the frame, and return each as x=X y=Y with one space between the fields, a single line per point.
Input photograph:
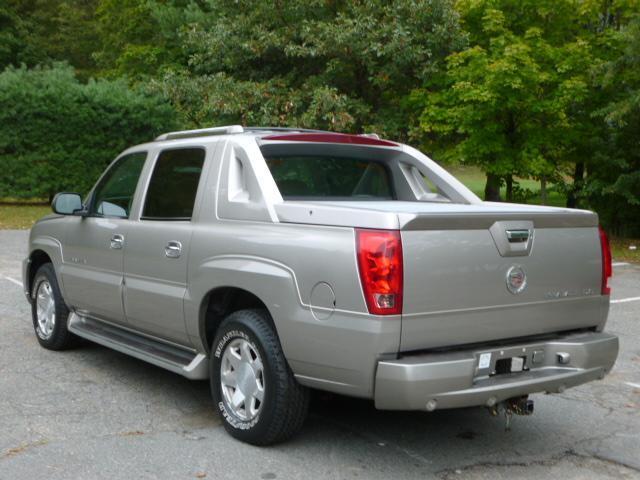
x=57 y=134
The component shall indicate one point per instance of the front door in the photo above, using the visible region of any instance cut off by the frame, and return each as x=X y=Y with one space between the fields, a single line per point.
x=93 y=255
x=155 y=260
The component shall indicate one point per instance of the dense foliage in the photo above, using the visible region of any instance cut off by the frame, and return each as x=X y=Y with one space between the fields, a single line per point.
x=58 y=134
x=335 y=65
x=613 y=184
x=541 y=89
x=535 y=96
x=506 y=101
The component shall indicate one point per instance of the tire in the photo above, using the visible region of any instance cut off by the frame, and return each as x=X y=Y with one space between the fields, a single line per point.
x=51 y=332
x=247 y=347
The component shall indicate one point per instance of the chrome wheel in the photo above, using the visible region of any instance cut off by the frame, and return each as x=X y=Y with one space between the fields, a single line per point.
x=45 y=309
x=242 y=379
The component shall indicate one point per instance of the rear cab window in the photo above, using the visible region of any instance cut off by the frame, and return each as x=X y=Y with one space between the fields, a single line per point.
x=330 y=177
x=172 y=189
x=307 y=171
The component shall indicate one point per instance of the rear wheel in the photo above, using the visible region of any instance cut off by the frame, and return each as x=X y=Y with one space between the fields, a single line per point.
x=256 y=394
x=49 y=311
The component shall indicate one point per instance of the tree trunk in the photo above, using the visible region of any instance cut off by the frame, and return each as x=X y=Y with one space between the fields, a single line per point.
x=509 y=181
x=543 y=190
x=492 y=188
x=578 y=177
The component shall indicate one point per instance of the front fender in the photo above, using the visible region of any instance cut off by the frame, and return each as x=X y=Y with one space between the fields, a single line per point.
x=52 y=247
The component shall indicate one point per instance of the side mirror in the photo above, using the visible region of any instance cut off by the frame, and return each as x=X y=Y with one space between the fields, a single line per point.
x=67 y=203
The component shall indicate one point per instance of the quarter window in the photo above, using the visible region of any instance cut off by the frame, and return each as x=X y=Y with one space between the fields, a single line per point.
x=114 y=193
x=174 y=183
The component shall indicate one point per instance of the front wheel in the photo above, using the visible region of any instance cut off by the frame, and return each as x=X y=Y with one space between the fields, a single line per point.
x=49 y=311
x=254 y=389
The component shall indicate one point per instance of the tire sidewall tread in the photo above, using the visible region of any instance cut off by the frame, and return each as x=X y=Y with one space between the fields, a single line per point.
x=61 y=338
x=285 y=402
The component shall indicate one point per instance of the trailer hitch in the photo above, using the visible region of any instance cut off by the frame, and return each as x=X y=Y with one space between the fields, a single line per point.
x=512 y=406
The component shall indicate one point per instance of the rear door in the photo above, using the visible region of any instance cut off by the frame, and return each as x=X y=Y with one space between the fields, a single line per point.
x=155 y=259
x=93 y=251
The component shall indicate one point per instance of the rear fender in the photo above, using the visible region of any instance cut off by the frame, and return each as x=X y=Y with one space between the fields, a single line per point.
x=272 y=282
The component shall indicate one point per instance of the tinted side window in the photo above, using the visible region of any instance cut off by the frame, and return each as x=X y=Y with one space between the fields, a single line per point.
x=113 y=196
x=174 y=183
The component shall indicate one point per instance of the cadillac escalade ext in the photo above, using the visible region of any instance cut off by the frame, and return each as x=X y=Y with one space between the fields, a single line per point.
x=271 y=261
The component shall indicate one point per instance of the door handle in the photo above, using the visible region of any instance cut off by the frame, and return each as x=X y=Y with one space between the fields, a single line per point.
x=117 y=241
x=173 y=249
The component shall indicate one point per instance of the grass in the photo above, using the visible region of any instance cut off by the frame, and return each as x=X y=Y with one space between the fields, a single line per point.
x=474 y=179
x=21 y=216
x=621 y=252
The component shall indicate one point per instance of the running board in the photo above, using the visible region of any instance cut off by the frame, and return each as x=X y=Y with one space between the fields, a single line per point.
x=184 y=362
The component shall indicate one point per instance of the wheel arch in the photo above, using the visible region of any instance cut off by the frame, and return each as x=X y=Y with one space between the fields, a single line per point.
x=221 y=284
x=37 y=258
x=247 y=282
x=222 y=301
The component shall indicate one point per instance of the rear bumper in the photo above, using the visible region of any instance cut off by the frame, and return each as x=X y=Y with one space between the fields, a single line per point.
x=456 y=379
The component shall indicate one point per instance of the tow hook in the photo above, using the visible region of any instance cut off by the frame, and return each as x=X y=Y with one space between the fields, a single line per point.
x=512 y=406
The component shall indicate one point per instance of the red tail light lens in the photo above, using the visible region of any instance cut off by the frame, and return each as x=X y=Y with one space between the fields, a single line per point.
x=607 y=270
x=380 y=264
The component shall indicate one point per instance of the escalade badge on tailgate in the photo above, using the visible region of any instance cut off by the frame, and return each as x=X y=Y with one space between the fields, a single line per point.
x=516 y=279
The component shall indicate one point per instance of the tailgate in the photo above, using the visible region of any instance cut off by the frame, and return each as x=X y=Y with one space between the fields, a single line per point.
x=456 y=280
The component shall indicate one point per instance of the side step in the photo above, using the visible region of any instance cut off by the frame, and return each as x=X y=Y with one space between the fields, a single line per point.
x=184 y=362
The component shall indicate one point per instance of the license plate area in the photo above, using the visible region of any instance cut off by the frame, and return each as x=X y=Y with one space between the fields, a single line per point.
x=510 y=365
x=507 y=361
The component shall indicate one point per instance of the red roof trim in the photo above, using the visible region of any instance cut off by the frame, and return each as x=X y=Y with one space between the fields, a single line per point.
x=331 y=138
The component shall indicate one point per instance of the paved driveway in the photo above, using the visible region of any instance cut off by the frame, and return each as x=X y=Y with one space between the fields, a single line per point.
x=95 y=413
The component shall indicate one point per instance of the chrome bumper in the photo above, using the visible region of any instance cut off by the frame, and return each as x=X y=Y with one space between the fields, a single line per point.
x=458 y=379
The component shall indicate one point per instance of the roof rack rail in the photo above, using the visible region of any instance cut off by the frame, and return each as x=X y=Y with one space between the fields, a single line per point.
x=202 y=132
x=282 y=129
x=303 y=130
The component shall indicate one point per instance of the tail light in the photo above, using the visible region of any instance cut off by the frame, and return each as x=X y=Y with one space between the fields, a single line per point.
x=607 y=270
x=380 y=264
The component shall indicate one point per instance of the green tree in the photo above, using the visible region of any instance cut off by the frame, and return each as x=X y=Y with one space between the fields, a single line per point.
x=15 y=47
x=613 y=181
x=59 y=134
x=505 y=102
x=336 y=65
x=139 y=39
x=42 y=31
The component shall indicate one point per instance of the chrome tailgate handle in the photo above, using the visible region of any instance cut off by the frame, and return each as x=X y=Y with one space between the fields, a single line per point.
x=513 y=238
x=173 y=249
x=117 y=241
x=518 y=236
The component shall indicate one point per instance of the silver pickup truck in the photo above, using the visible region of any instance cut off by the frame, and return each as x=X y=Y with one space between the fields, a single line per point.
x=270 y=261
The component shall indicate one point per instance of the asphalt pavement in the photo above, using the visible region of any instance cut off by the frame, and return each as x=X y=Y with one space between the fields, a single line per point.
x=93 y=413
